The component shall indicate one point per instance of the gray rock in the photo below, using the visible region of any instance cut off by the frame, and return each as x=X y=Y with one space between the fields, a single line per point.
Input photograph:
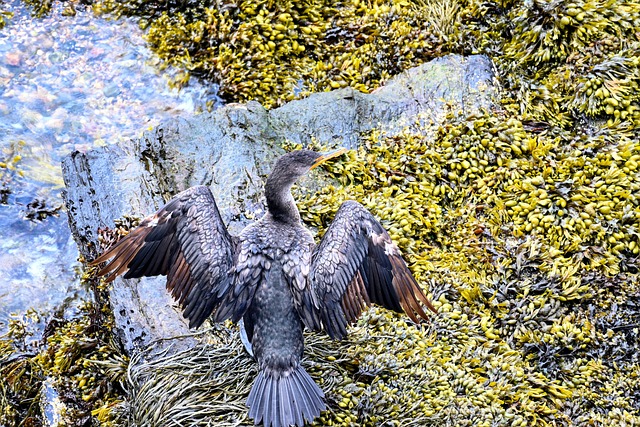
x=101 y=186
x=426 y=92
x=231 y=150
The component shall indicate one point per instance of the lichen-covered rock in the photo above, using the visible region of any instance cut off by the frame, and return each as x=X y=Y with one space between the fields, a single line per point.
x=116 y=184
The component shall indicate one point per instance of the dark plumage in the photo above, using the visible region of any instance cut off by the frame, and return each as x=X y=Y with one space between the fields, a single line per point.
x=272 y=276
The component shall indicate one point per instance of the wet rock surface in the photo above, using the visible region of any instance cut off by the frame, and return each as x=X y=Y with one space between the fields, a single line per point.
x=65 y=84
x=231 y=150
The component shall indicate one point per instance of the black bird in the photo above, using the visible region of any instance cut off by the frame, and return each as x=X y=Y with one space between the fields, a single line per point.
x=274 y=277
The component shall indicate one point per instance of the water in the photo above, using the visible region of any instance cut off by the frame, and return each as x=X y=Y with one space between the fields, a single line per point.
x=66 y=83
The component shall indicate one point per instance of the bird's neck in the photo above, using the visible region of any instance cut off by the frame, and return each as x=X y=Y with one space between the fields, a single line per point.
x=280 y=202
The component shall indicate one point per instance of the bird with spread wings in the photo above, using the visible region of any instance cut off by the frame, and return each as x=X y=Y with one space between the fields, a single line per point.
x=274 y=277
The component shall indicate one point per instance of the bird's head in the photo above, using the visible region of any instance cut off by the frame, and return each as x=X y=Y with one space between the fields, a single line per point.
x=295 y=164
x=284 y=174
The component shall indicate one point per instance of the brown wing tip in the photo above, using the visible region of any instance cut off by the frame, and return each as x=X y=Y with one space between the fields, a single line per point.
x=430 y=306
x=110 y=252
x=410 y=294
x=136 y=233
x=104 y=256
x=425 y=300
x=121 y=253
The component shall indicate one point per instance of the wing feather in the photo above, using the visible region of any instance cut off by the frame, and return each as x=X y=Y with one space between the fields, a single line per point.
x=117 y=266
x=185 y=240
x=357 y=264
x=179 y=285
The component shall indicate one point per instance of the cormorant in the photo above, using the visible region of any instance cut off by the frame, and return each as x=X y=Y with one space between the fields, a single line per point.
x=274 y=277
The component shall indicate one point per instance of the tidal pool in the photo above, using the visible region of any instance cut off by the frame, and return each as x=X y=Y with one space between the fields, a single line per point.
x=66 y=83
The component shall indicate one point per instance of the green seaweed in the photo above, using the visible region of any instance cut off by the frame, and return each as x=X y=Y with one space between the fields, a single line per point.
x=5 y=16
x=527 y=240
x=273 y=52
x=39 y=8
x=561 y=61
x=80 y=358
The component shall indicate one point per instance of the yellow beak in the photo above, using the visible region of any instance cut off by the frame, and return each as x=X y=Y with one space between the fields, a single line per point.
x=330 y=155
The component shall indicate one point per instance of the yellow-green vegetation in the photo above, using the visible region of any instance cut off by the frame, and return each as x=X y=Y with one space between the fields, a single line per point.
x=39 y=8
x=4 y=16
x=562 y=61
x=528 y=240
x=274 y=51
x=10 y=169
x=78 y=356
x=11 y=158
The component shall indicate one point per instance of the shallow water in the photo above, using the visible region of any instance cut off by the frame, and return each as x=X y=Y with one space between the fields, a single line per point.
x=66 y=83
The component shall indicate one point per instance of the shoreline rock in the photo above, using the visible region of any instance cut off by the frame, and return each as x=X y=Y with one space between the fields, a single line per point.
x=231 y=150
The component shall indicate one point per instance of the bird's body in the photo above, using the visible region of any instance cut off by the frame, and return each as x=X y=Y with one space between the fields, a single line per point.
x=274 y=277
x=274 y=326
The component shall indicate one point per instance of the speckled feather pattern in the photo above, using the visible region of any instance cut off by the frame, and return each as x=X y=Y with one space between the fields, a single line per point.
x=283 y=394
x=357 y=264
x=186 y=240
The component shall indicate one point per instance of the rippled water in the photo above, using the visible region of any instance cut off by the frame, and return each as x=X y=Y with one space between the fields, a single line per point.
x=66 y=83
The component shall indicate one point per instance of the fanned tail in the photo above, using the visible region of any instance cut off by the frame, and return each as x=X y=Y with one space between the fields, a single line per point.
x=285 y=399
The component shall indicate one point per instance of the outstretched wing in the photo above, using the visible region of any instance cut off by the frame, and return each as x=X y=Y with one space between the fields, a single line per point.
x=187 y=241
x=357 y=264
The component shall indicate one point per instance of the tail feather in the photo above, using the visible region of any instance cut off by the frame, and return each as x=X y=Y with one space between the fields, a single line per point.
x=269 y=400
x=286 y=405
x=308 y=388
x=286 y=399
x=259 y=389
